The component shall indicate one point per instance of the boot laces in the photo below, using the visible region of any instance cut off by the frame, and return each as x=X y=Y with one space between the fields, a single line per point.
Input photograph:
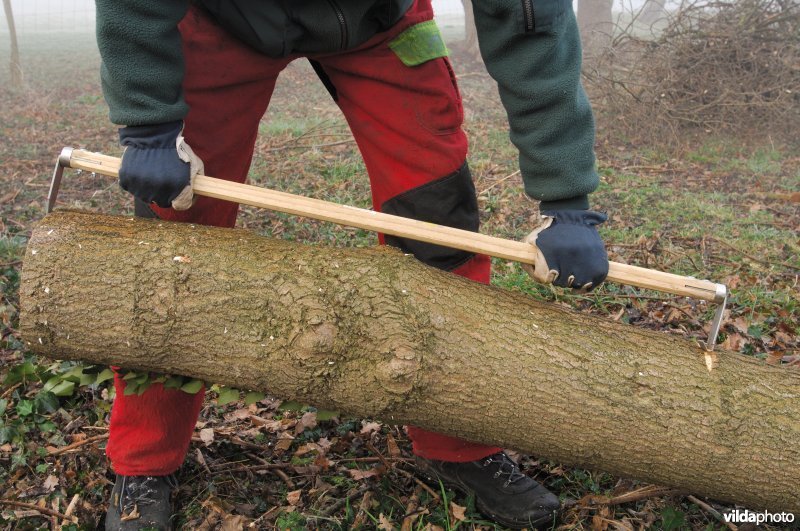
x=141 y=490
x=505 y=466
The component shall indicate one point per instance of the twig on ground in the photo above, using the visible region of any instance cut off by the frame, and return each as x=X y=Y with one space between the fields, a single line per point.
x=412 y=511
x=342 y=501
x=313 y=146
x=754 y=258
x=363 y=509
x=10 y=390
x=71 y=508
x=78 y=444
x=44 y=510
x=713 y=512
x=286 y=479
x=500 y=181
x=419 y=482
x=650 y=491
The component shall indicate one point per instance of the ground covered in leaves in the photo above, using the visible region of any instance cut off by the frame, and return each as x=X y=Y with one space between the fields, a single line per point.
x=711 y=208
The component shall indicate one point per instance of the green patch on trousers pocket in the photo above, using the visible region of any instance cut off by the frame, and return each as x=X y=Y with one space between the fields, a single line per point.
x=419 y=44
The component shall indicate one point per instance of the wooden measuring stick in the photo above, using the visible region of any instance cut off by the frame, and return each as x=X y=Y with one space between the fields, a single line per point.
x=407 y=228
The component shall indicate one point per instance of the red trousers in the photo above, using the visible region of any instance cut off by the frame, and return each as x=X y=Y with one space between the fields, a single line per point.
x=407 y=124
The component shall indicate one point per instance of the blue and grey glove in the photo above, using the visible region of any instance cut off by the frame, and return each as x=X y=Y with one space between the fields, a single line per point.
x=570 y=252
x=158 y=166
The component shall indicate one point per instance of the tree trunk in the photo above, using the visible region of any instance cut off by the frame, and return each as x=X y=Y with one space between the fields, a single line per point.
x=596 y=26
x=374 y=333
x=651 y=12
x=470 y=31
x=15 y=65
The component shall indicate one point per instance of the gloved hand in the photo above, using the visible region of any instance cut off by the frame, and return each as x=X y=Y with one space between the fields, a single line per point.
x=158 y=166
x=570 y=252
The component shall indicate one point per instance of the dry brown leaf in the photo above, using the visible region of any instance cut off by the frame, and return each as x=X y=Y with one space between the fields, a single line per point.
x=307 y=421
x=384 y=524
x=369 y=427
x=239 y=414
x=734 y=342
x=363 y=474
x=283 y=444
x=740 y=324
x=207 y=435
x=458 y=512
x=233 y=522
x=774 y=358
x=391 y=445
x=307 y=449
x=293 y=497
x=599 y=523
x=50 y=483
x=324 y=444
x=323 y=462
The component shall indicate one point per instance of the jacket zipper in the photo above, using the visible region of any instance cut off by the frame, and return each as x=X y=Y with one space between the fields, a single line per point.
x=342 y=23
x=527 y=10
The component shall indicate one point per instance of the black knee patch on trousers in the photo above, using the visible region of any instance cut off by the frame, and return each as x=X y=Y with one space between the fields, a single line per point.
x=449 y=201
x=142 y=209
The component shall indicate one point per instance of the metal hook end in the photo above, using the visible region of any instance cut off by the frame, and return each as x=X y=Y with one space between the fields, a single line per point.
x=722 y=299
x=64 y=161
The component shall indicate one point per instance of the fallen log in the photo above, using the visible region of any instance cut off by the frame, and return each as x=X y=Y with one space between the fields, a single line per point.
x=374 y=333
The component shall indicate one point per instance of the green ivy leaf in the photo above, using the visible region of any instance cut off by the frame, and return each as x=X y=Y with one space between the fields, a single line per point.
x=7 y=433
x=227 y=395
x=41 y=468
x=131 y=388
x=672 y=519
x=46 y=402
x=74 y=374
x=47 y=426
x=130 y=375
x=3 y=405
x=192 y=387
x=25 y=408
x=65 y=388
x=252 y=397
x=106 y=374
x=173 y=382
x=19 y=373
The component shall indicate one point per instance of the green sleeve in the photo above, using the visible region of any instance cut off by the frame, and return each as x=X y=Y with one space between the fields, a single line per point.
x=142 y=70
x=532 y=49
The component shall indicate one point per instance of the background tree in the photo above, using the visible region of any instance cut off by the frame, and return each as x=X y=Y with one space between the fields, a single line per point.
x=596 y=26
x=15 y=65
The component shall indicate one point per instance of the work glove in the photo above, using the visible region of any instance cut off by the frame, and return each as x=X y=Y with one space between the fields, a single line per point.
x=569 y=251
x=158 y=166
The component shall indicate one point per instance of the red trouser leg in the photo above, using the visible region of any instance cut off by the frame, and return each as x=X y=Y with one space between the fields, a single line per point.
x=228 y=87
x=407 y=123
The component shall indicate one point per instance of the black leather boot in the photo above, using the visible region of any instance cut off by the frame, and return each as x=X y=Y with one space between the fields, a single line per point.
x=502 y=492
x=141 y=502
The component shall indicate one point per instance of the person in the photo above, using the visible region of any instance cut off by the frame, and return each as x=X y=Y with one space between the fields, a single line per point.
x=189 y=83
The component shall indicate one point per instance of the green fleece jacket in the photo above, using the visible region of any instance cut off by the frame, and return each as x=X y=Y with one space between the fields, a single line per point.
x=531 y=48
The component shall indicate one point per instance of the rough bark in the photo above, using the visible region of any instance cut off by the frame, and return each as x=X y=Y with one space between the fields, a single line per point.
x=373 y=333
